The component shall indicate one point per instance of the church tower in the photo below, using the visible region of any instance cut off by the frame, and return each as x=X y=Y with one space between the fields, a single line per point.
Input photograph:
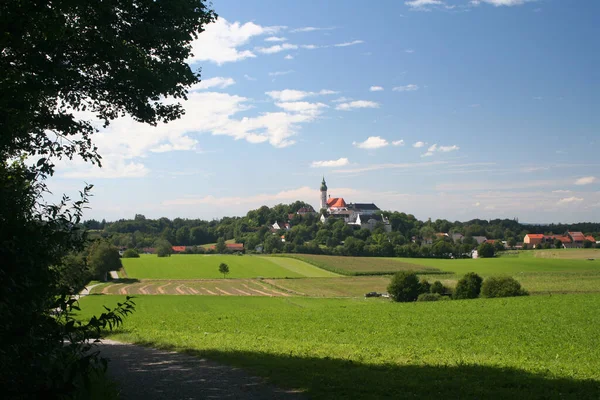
x=323 y=194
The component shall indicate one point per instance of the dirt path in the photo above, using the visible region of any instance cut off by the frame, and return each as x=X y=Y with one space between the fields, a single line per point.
x=146 y=373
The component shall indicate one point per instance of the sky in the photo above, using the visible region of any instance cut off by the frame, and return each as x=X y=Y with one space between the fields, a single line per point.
x=452 y=109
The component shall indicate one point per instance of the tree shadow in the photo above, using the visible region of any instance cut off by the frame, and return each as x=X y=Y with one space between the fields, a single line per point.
x=326 y=378
x=127 y=281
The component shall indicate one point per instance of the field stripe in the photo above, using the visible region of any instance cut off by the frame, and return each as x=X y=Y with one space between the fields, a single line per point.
x=271 y=290
x=209 y=292
x=180 y=290
x=143 y=290
x=224 y=292
x=242 y=292
x=192 y=290
x=107 y=289
x=286 y=289
x=161 y=289
x=257 y=291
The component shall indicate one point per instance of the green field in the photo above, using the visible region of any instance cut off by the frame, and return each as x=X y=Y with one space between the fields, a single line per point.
x=197 y=266
x=537 y=347
x=570 y=260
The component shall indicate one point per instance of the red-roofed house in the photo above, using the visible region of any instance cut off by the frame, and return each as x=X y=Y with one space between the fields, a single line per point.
x=178 y=249
x=336 y=203
x=577 y=238
x=533 y=239
x=590 y=238
x=231 y=246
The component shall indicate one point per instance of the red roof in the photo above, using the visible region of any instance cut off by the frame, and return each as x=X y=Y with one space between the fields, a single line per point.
x=336 y=202
x=577 y=236
x=179 y=249
x=235 y=246
x=564 y=239
x=590 y=238
x=535 y=236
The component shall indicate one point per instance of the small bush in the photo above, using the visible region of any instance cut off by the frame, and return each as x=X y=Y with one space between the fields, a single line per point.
x=502 y=286
x=468 y=287
x=131 y=253
x=404 y=286
x=438 y=288
x=430 y=297
x=424 y=286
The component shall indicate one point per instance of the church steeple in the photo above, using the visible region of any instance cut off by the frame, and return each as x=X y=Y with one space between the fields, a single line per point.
x=323 y=194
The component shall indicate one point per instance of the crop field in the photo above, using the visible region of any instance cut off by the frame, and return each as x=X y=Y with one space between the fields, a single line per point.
x=362 y=265
x=198 y=266
x=536 y=347
x=573 y=254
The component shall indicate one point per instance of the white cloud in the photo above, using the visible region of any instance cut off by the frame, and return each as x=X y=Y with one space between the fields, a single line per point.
x=346 y=44
x=311 y=29
x=375 y=88
x=275 y=39
x=310 y=46
x=280 y=73
x=340 y=162
x=221 y=42
x=372 y=142
x=570 y=200
x=289 y=57
x=585 y=180
x=357 y=104
x=423 y=4
x=398 y=142
x=408 y=88
x=561 y=191
x=302 y=107
x=498 y=3
x=248 y=77
x=217 y=81
x=445 y=149
x=428 y=154
x=435 y=148
x=294 y=95
x=277 y=48
x=409 y=51
x=432 y=148
x=342 y=100
x=419 y=144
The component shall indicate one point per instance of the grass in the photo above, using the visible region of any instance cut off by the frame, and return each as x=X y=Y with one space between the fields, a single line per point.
x=536 y=347
x=356 y=266
x=576 y=254
x=197 y=266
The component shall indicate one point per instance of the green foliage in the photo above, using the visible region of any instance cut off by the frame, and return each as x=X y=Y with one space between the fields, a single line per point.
x=438 y=288
x=587 y=244
x=131 y=253
x=431 y=297
x=103 y=257
x=164 y=248
x=468 y=287
x=221 y=247
x=424 y=286
x=224 y=269
x=502 y=286
x=486 y=250
x=404 y=286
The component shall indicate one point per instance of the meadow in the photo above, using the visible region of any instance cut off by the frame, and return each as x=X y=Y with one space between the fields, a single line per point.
x=197 y=266
x=522 y=263
x=535 y=347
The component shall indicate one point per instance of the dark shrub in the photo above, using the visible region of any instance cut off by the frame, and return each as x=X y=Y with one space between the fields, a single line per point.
x=131 y=253
x=438 y=288
x=424 y=286
x=486 y=250
x=468 y=287
x=430 y=297
x=502 y=286
x=404 y=286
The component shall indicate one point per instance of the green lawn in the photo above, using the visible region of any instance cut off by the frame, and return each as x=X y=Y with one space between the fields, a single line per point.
x=538 y=347
x=197 y=266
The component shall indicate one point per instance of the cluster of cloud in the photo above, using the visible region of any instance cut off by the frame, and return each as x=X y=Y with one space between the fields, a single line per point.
x=407 y=88
x=428 y=5
x=356 y=104
x=435 y=148
x=586 y=180
x=377 y=142
x=224 y=41
x=340 y=162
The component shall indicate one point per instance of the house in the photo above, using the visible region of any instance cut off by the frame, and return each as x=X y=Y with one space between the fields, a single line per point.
x=149 y=250
x=370 y=222
x=305 y=210
x=279 y=226
x=231 y=247
x=577 y=239
x=480 y=239
x=590 y=238
x=456 y=237
x=533 y=239
x=178 y=249
x=363 y=208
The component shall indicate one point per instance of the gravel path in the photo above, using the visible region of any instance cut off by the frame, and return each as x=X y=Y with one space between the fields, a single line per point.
x=146 y=373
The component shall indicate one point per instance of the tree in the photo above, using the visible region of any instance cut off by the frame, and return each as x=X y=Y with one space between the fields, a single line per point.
x=502 y=286
x=60 y=58
x=164 y=248
x=558 y=244
x=512 y=242
x=404 y=286
x=468 y=287
x=103 y=257
x=587 y=244
x=224 y=269
x=221 y=247
x=131 y=253
x=486 y=250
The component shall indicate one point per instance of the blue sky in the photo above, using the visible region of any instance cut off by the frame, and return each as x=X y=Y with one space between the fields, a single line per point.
x=450 y=109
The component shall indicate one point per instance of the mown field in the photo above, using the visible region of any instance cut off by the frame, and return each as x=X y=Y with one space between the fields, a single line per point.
x=538 y=347
x=197 y=266
x=524 y=262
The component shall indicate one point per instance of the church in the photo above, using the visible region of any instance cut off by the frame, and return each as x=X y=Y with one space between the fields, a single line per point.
x=364 y=215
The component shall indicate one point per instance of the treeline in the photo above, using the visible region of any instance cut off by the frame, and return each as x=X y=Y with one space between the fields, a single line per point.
x=409 y=237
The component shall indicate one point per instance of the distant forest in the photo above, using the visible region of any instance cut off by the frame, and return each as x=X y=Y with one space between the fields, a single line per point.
x=308 y=235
